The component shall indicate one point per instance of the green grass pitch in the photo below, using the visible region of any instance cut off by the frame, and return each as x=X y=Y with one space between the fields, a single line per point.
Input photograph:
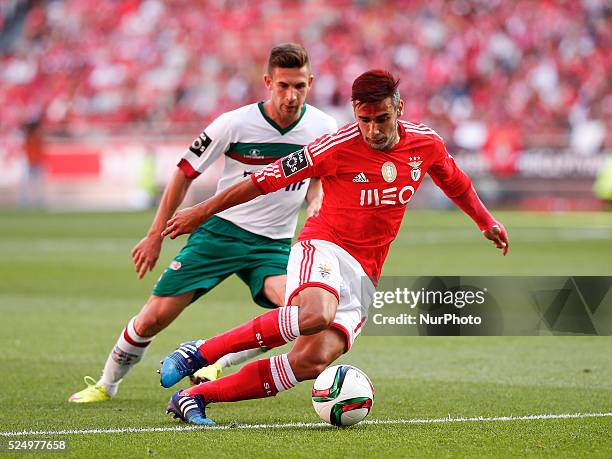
x=67 y=287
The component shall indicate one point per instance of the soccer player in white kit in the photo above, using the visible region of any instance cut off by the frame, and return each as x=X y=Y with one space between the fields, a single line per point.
x=369 y=170
x=252 y=240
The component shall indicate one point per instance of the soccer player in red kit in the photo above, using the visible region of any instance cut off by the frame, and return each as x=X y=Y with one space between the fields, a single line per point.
x=369 y=170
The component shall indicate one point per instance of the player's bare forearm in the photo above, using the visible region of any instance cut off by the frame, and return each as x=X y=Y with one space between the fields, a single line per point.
x=146 y=252
x=187 y=220
x=173 y=196
x=314 y=197
x=470 y=203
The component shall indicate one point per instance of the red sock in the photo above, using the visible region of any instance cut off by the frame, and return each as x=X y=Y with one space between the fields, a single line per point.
x=268 y=331
x=263 y=378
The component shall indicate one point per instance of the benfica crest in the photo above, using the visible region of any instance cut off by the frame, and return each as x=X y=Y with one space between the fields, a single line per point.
x=415 y=173
x=324 y=271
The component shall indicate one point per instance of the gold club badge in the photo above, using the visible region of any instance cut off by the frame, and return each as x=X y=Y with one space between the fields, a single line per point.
x=389 y=171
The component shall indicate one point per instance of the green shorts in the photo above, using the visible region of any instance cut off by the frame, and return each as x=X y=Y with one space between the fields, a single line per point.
x=218 y=249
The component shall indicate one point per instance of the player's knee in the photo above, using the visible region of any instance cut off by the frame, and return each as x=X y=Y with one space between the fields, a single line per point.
x=317 y=310
x=327 y=315
x=316 y=318
x=274 y=289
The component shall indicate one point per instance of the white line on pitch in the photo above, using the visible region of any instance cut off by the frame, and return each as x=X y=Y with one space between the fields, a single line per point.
x=301 y=424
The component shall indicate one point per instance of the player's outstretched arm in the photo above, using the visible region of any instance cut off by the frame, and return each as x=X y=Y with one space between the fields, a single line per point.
x=470 y=203
x=458 y=187
x=146 y=252
x=187 y=220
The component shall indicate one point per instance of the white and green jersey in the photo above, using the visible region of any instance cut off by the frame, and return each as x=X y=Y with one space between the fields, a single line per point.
x=250 y=140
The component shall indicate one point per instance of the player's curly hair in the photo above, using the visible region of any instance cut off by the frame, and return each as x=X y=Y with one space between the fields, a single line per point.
x=374 y=86
x=288 y=56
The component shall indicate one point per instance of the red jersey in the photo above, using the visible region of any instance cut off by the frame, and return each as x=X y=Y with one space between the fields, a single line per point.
x=365 y=190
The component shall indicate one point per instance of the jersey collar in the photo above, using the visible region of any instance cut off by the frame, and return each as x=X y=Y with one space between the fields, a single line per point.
x=273 y=123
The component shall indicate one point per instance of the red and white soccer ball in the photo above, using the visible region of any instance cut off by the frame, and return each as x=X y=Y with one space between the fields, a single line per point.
x=342 y=395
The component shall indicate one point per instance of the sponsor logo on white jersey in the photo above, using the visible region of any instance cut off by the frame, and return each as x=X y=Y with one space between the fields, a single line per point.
x=388 y=196
x=360 y=178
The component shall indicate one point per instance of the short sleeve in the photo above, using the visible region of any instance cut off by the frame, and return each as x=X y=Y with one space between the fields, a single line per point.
x=207 y=147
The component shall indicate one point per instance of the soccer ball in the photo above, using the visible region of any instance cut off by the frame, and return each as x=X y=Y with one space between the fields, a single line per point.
x=342 y=395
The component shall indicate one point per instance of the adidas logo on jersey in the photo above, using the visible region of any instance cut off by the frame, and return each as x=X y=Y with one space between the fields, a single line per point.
x=360 y=178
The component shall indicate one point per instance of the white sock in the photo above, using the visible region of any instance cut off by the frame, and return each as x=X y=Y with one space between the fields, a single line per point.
x=282 y=374
x=236 y=358
x=288 y=322
x=128 y=351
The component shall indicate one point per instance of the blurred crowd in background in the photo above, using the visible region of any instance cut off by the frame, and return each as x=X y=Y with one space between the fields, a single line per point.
x=521 y=74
